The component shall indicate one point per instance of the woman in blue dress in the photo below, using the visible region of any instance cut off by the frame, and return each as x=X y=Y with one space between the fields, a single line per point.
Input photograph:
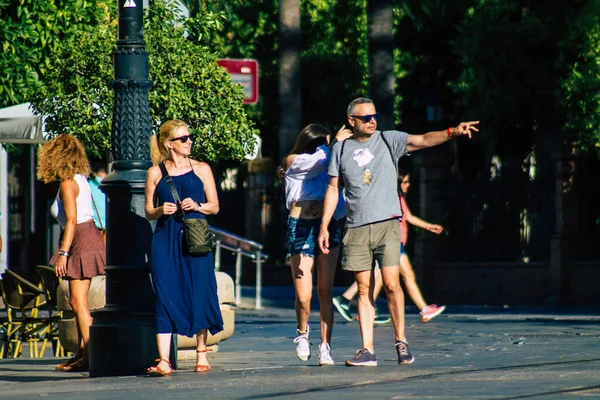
x=186 y=287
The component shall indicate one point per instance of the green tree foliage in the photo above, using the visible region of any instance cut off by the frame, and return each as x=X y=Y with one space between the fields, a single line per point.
x=580 y=90
x=424 y=62
x=188 y=85
x=511 y=75
x=334 y=55
x=30 y=31
x=335 y=64
x=249 y=30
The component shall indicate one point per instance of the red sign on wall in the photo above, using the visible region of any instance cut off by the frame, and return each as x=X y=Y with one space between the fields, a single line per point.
x=245 y=73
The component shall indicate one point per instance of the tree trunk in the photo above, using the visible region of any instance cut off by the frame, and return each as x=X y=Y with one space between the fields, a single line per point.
x=289 y=74
x=381 y=60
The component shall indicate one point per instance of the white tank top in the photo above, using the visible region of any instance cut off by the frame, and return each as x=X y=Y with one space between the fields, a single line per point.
x=85 y=211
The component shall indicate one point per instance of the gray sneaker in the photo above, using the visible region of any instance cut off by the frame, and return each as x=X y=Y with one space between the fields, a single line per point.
x=404 y=354
x=362 y=358
x=343 y=306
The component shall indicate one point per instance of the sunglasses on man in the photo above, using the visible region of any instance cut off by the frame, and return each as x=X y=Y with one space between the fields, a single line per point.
x=366 y=118
x=182 y=139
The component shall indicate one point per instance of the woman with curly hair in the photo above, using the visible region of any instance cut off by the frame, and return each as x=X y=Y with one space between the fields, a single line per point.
x=185 y=285
x=81 y=253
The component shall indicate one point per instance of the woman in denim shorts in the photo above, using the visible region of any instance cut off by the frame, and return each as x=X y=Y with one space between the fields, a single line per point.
x=304 y=171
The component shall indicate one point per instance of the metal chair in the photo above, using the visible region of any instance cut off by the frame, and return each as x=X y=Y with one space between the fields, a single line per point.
x=50 y=283
x=21 y=299
x=3 y=325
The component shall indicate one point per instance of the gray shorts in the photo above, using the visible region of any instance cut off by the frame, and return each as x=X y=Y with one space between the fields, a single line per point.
x=379 y=241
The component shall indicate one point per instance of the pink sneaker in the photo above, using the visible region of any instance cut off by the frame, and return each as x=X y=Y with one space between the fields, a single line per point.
x=431 y=311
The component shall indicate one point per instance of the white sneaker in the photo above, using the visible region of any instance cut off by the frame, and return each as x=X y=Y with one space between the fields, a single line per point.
x=325 y=354
x=302 y=345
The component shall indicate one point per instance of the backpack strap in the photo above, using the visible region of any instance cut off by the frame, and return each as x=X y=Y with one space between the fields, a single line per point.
x=340 y=163
x=341 y=153
x=390 y=150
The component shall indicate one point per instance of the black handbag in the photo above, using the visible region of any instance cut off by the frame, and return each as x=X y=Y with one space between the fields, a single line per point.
x=197 y=235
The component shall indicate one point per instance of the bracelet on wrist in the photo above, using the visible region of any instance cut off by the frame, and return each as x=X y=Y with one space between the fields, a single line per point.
x=450 y=132
x=63 y=253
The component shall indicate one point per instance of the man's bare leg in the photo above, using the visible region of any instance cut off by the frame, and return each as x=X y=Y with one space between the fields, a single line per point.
x=366 y=307
x=395 y=298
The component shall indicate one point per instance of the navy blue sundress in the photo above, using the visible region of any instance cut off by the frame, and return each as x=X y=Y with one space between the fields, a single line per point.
x=186 y=287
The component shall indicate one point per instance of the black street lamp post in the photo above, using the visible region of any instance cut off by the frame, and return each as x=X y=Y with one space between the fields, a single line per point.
x=122 y=337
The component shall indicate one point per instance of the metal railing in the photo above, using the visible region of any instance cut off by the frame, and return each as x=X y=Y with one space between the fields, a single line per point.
x=241 y=247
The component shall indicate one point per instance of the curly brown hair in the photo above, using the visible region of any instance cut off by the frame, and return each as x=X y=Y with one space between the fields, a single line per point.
x=61 y=158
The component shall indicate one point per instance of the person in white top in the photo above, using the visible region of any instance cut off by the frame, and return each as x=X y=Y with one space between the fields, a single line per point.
x=80 y=254
x=304 y=170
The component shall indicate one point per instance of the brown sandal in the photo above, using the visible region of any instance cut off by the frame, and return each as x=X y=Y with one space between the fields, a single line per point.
x=80 y=365
x=202 y=367
x=61 y=366
x=158 y=371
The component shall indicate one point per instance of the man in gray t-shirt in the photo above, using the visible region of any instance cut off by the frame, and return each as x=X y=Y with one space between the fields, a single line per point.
x=365 y=165
x=369 y=173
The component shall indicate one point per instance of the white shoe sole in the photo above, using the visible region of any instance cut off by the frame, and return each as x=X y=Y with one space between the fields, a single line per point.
x=435 y=314
x=328 y=362
x=365 y=364
x=345 y=314
x=412 y=360
x=303 y=358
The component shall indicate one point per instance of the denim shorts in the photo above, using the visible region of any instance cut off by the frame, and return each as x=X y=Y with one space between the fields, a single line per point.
x=402 y=251
x=302 y=235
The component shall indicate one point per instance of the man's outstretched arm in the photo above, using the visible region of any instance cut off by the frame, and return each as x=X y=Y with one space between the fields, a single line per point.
x=418 y=142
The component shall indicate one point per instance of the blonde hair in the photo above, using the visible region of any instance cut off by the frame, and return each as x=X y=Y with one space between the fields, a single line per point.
x=61 y=158
x=158 y=150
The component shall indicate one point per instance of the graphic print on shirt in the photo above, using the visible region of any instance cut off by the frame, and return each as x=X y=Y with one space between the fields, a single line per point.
x=367 y=177
x=363 y=157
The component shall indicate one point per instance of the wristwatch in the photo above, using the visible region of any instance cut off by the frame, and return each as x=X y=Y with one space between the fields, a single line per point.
x=63 y=253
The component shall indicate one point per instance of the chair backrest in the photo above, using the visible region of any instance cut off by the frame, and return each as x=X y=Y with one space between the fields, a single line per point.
x=50 y=283
x=18 y=293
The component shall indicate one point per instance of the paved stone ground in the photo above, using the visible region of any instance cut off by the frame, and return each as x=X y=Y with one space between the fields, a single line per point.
x=466 y=353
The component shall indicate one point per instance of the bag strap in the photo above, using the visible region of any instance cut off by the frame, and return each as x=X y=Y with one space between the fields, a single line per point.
x=96 y=209
x=390 y=150
x=169 y=181
x=340 y=163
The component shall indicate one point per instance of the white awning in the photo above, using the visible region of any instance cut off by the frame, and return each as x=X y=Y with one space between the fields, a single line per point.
x=18 y=124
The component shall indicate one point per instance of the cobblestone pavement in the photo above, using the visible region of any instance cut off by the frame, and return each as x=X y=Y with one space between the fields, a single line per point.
x=466 y=353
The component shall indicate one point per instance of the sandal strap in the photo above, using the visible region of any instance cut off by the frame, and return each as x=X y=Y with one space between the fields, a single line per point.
x=203 y=351
x=162 y=359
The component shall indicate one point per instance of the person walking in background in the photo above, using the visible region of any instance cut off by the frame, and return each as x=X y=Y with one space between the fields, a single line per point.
x=365 y=165
x=81 y=254
x=185 y=285
x=428 y=312
x=98 y=197
x=304 y=171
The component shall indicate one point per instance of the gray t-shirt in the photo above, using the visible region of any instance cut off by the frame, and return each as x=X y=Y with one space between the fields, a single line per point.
x=369 y=176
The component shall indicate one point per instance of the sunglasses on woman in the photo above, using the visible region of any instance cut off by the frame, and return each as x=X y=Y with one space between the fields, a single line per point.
x=182 y=139
x=366 y=118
